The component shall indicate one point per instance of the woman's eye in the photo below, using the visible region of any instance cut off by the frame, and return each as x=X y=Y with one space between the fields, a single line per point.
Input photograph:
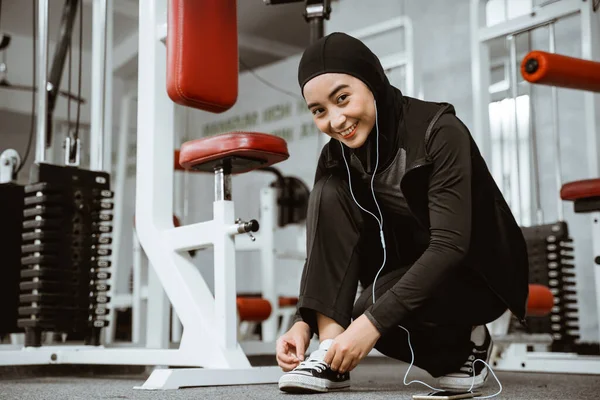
x=342 y=98
x=317 y=111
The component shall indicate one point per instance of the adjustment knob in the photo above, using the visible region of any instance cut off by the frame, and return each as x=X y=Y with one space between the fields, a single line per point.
x=252 y=226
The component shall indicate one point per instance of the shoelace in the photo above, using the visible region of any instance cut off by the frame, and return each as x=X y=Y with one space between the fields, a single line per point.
x=467 y=367
x=315 y=361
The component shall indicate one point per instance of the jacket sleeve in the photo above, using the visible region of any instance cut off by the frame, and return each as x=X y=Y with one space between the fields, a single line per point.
x=449 y=206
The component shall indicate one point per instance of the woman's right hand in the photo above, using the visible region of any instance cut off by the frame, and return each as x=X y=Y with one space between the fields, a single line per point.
x=291 y=346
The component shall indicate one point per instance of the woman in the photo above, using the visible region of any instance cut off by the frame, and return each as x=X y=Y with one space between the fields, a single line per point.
x=404 y=204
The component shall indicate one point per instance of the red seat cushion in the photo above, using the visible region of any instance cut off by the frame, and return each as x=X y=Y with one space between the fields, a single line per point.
x=245 y=150
x=580 y=189
x=540 y=301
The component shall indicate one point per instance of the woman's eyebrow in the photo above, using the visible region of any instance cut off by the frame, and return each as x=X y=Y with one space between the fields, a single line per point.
x=333 y=92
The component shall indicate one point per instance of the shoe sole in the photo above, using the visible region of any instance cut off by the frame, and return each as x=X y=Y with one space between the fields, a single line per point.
x=309 y=384
x=449 y=382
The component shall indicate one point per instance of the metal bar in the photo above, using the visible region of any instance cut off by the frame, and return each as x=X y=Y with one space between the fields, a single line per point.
x=107 y=102
x=98 y=79
x=539 y=212
x=480 y=82
x=529 y=22
x=515 y=94
x=120 y=268
x=316 y=29
x=555 y=133
x=222 y=184
x=59 y=59
x=42 y=77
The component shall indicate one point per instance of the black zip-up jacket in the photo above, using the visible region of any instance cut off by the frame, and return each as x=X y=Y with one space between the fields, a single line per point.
x=450 y=191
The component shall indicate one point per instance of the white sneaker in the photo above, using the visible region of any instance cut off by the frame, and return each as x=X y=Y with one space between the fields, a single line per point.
x=313 y=375
x=471 y=372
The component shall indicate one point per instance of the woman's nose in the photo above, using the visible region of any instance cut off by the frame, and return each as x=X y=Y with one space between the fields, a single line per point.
x=338 y=122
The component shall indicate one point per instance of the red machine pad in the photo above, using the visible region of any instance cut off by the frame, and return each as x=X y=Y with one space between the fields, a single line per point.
x=202 y=54
x=253 y=309
x=287 y=301
x=178 y=166
x=561 y=71
x=540 y=301
x=580 y=189
x=260 y=149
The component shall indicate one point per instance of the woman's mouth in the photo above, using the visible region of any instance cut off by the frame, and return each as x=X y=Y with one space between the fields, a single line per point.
x=350 y=132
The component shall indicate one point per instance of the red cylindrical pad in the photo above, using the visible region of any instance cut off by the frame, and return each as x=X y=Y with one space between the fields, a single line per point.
x=540 y=301
x=562 y=71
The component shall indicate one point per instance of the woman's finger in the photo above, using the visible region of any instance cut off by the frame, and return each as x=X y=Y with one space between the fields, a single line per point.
x=287 y=357
x=286 y=367
x=345 y=365
x=338 y=358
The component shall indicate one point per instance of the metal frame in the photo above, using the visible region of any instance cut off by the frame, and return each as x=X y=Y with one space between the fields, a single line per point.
x=514 y=356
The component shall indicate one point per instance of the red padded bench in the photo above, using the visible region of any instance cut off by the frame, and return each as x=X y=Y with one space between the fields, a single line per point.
x=584 y=194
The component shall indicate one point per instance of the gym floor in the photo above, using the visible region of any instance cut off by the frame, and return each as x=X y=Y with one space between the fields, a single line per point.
x=375 y=378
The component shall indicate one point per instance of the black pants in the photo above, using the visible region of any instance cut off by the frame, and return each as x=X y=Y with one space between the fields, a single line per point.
x=343 y=249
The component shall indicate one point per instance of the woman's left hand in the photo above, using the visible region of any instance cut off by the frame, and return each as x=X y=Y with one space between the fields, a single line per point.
x=349 y=348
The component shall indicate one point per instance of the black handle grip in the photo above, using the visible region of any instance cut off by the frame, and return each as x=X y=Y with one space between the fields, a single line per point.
x=252 y=226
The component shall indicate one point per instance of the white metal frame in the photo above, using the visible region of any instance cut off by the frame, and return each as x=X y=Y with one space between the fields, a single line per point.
x=514 y=357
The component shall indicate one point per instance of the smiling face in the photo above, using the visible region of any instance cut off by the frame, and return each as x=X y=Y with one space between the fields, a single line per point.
x=342 y=107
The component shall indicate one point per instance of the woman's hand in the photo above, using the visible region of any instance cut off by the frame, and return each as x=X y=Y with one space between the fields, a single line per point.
x=290 y=347
x=349 y=348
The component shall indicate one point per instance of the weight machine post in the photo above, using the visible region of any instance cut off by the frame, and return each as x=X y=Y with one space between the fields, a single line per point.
x=42 y=78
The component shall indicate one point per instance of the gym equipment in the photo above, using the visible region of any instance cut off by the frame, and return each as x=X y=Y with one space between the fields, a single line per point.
x=549 y=245
x=550 y=254
x=553 y=69
x=210 y=83
x=65 y=253
x=9 y=164
x=12 y=196
x=65 y=242
x=315 y=12
x=69 y=12
x=283 y=203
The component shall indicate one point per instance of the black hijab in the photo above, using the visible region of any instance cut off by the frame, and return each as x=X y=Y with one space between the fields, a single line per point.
x=341 y=53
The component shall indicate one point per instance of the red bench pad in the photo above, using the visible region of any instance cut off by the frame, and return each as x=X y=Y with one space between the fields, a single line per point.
x=246 y=150
x=202 y=54
x=580 y=189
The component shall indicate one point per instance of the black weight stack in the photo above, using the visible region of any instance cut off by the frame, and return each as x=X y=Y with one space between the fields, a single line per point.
x=551 y=257
x=65 y=253
x=11 y=222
